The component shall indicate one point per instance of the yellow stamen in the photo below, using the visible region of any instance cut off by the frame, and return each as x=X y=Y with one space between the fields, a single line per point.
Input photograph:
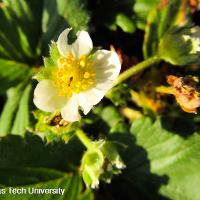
x=86 y=75
x=73 y=75
x=82 y=61
x=62 y=60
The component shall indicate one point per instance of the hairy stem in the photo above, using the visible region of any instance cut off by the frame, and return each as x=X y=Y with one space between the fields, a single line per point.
x=84 y=139
x=137 y=68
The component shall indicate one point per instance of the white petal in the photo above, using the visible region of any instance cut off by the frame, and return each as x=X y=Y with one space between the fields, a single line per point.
x=104 y=85
x=90 y=98
x=46 y=96
x=106 y=64
x=63 y=47
x=84 y=103
x=93 y=96
x=83 y=44
x=70 y=111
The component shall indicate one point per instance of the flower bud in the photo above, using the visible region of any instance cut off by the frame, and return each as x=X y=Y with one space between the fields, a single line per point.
x=100 y=162
x=180 y=46
x=92 y=163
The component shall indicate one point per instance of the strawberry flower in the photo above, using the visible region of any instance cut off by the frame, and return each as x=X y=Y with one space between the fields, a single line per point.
x=79 y=79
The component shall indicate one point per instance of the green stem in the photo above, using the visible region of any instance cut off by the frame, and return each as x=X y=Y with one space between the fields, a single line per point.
x=84 y=139
x=137 y=68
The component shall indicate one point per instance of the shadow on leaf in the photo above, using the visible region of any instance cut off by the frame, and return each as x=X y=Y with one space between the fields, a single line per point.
x=136 y=181
x=183 y=126
x=32 y=151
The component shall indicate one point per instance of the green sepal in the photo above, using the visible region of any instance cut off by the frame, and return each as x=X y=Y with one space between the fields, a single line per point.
x=45 y=73
x=91 y=166
x=101 y=162
x=88 y=176
x=113 y=163
x=54 y=56
x=54 y=53
x=111 y=153
x=48 y=130
x=50 y=63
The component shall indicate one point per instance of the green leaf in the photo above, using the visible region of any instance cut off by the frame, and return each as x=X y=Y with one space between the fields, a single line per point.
x=44 y=179
x=22 y=176
x=119 y=95
x=22 y=118
x=29 y=162
x=121 y=15
x=11 y=73
x=66 y=13
x=170 y=155
x=161 y=164
x=108 y=120
x=111 y=116
x=32 y=151
x=125 y=23
x=20 y=23
x=159 y=20
x=7 y=115
x=142 y=8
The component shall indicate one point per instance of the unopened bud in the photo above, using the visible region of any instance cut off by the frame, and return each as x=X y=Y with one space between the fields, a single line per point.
x=180 y=46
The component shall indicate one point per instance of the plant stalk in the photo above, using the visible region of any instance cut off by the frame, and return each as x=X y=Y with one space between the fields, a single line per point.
x=137 y=68
x=84 y=139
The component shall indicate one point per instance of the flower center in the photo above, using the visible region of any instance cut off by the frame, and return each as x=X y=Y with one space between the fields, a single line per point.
x=73 y=75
